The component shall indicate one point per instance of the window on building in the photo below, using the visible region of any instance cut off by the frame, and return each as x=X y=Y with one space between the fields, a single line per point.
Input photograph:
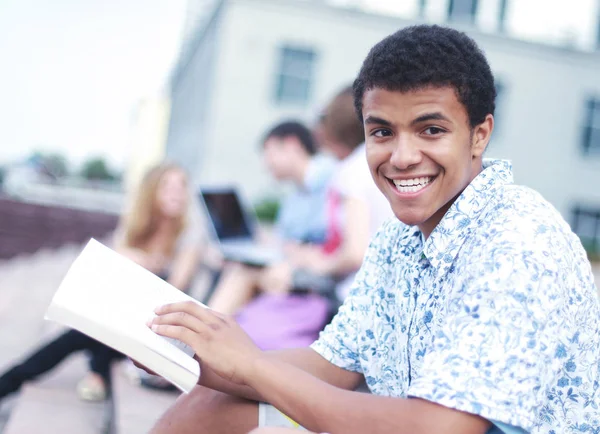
x=462 y=10
x=591 y=128
x=598 y=32
x=422 y=7
x=502 y=15
x=586 y=224
x=295 y=75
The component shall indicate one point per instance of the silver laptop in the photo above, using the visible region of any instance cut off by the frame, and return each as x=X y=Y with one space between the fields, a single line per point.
x=234 y=228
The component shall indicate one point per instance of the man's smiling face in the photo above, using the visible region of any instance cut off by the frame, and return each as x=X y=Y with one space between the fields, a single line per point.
x=422 y=150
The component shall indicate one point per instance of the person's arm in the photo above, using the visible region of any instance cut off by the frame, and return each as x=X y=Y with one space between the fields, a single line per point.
x=348 y=257
x=184 y=266
x=313 y=402
x=191 y=244
x=304 y=359
x=120 y=245
x=319 y=406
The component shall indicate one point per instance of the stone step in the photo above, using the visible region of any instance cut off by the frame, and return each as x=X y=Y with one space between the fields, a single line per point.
x=41 y=410
x=136 y=408
x=51 y=405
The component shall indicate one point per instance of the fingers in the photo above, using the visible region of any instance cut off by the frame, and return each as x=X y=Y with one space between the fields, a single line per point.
x=180 y=333
x=187 y=321
x=204 y=314
x=181 y=319
x=186 y=327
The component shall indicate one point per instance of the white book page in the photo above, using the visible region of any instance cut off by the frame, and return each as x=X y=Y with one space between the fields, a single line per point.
x=113 y=291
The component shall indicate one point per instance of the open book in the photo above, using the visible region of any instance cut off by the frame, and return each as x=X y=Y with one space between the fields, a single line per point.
x=110 y=298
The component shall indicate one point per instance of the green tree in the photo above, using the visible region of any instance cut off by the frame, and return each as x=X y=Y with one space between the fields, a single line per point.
x=266 y=210
x=97 y=169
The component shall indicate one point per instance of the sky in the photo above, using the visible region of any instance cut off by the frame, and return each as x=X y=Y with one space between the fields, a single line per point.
x=73 y=70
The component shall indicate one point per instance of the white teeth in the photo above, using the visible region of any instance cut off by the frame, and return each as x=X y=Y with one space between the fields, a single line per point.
x=412 y=185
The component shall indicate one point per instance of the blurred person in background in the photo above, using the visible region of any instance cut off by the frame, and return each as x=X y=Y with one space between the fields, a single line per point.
x=278 y=320
x=356 y=207
x=289 y=152
x=160 y=233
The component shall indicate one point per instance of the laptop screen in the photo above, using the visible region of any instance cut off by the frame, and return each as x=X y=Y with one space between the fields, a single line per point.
x=226 y=214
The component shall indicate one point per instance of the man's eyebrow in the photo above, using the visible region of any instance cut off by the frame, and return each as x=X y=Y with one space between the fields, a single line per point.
x=436 y=116
x=379 y=121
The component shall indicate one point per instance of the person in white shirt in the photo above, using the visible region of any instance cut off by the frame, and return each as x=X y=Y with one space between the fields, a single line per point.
x=356 y=206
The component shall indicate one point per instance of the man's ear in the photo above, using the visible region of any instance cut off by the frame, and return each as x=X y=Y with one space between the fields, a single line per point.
x=481 y=136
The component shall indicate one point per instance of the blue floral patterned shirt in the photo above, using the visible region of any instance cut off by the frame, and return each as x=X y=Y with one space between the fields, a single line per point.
x=495 y=314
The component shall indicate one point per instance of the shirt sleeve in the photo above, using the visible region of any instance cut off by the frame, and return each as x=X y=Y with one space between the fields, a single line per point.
x=339 y=342
x=492 y=350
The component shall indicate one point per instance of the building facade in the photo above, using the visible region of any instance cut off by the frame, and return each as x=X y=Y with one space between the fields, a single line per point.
x=255 y=62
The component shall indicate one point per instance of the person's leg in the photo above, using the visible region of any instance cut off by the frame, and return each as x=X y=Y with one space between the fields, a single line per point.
x=95 y=385
x=42 y=360
x=101 y=358
x=206 y=411
x=236 y=287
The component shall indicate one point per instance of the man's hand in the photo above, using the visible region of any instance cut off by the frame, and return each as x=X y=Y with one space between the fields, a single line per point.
x=216 y=339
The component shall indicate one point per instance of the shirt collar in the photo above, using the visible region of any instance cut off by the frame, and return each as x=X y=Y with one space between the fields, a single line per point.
x=445 y=241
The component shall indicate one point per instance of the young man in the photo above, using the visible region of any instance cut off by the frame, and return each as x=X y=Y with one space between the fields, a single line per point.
x=290 y=154
x=480 y=316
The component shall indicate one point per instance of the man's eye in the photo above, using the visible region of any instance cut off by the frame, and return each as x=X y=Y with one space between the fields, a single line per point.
x=381 y=133
x=433 y=131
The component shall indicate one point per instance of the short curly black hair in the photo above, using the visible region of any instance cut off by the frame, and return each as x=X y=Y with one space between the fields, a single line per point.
x=428 y=55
